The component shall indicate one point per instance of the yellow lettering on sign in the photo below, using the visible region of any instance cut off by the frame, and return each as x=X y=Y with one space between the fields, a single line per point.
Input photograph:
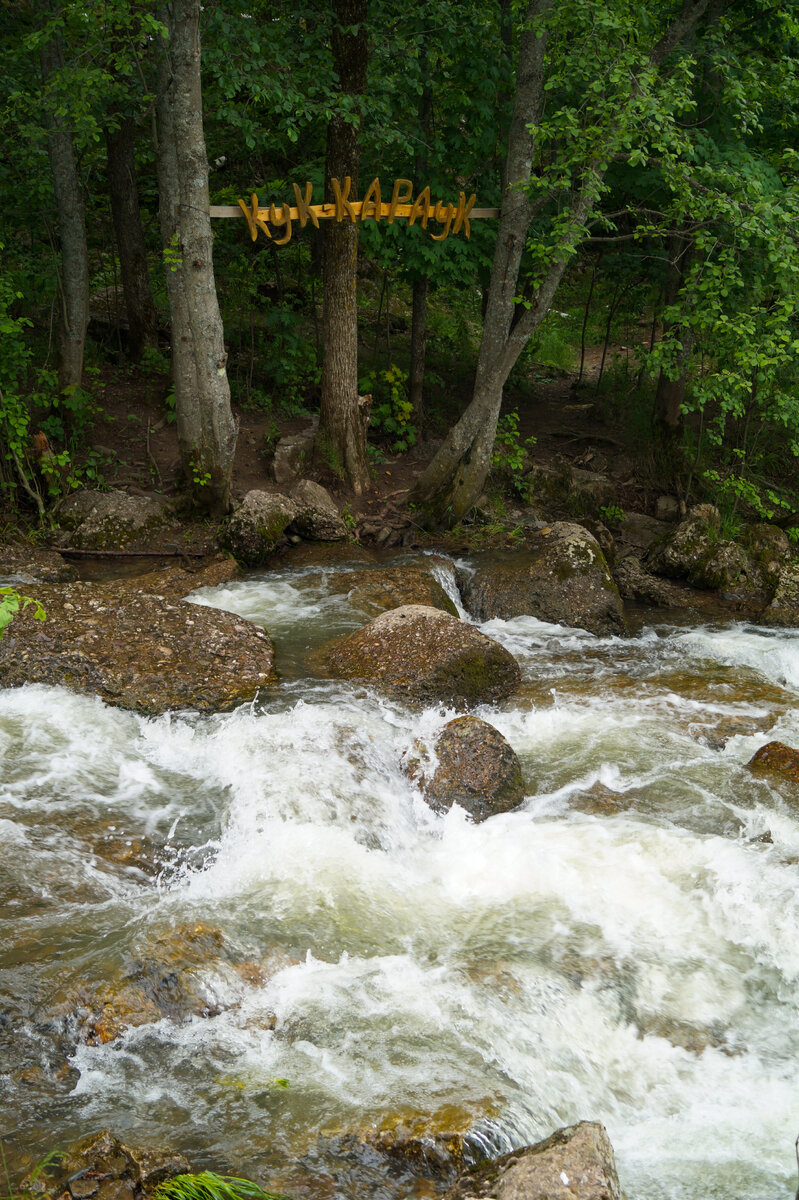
x=372 y=202
x=462 y=215
x=421 y=208
x=253 y=219
x=304 y=210
x=397 y=199
x=443 y=214
x=283 y=218
x=341 y=199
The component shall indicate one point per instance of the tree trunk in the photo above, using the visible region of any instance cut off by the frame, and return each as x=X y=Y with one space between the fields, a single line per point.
x=124 y=194
x=73 y=314
x=205 y=424
x=670 y=393
x=454 y=479
x=342 y=424
x=421 y=285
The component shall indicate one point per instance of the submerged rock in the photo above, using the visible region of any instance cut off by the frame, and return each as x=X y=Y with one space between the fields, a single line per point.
x=257 y=525
x=377 y=590
x=575 y=1163
x=563 y=578
x=113 y=520
x=476 y=769
x=778 y=759
x=139 y=647
x=317 y=519
x=421 y=653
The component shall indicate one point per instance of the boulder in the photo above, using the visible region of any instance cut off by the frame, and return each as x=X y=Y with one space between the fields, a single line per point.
x=775 y=758
x=476 y=768
x=420 y=653
x=769 y=548
x=575 y=1163
x=257 y=526
x=562 y=578
x=23 y=564
x=675 y=554
x=601 y=801
x=137 y=646
x=375 y=591
x=639 y=531
x=113 y=520
x=317 y=519
x=636 y=583
x=723 y=565
x=293 y=453
x=607 y=542
x=783 y=610
x=100 y=1167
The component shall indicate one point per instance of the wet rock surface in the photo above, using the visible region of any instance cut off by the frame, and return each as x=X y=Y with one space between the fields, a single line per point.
x=101 y=1167
x=114 y=520
x=777 y=759
x=136 y=644
x=257 y=525
x=722 y=567
x=423 y=654
x=476 y=769
x=376 y=591
x=22 y=564
x=636 y=583
x=563 y=578
x=575 y=1163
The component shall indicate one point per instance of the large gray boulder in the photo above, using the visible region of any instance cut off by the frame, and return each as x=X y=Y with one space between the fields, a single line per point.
x=293 y=454
x=137 y=645
x=476 y=768
x=562 y=578
x=769 y=548
x=423 y=654
x=257 y=525
x=113 y=520
x=317 y=519
x=783 y=611
x=575 y=1163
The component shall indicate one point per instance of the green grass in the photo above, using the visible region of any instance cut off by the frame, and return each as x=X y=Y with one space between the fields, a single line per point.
x=207 y=1185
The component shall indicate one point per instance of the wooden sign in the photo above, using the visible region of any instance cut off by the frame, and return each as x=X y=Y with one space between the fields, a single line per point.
x=451 y=217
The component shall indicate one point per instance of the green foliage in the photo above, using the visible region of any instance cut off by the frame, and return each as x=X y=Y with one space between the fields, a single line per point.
x=731 y=490
x=508 y=457
x=392 y=411
x=12 y=602
x=612 y=515
x=207 y=1185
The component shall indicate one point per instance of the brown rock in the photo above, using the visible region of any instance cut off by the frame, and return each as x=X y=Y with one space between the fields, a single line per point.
x=563 y=578
x=23 y=564
x=681 y=549
x=778 y=759
x=783 y=611
x=423 y=654
x=376 y=591
x=317 y=519
x=137 y=648
x=100 y=1167
x=477 y=769
x=575 y=1163
x=257 y=525
x=601 y=801
x=113 y=520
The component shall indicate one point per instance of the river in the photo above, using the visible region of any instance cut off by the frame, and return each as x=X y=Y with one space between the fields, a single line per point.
x=623 y=947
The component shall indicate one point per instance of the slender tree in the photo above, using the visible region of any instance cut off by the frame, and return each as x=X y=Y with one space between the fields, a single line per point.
x=124 y=196
x=205 y=423
x=454 y=479
x=342 y=421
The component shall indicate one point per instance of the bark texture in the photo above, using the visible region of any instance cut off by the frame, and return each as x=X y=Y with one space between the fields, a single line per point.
x=342 y=424
x=421 y=285
x=205 y=424
x=73 y=313
x=124 y=193
x=454 y=479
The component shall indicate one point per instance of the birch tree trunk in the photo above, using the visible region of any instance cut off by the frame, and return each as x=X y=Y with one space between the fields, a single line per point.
x=455 y=478
x=205 y=425
x=124 y=194
x=342 y=428
x=73 y=311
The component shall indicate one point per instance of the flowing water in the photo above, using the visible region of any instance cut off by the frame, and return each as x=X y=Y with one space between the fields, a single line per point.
x=364 y=958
